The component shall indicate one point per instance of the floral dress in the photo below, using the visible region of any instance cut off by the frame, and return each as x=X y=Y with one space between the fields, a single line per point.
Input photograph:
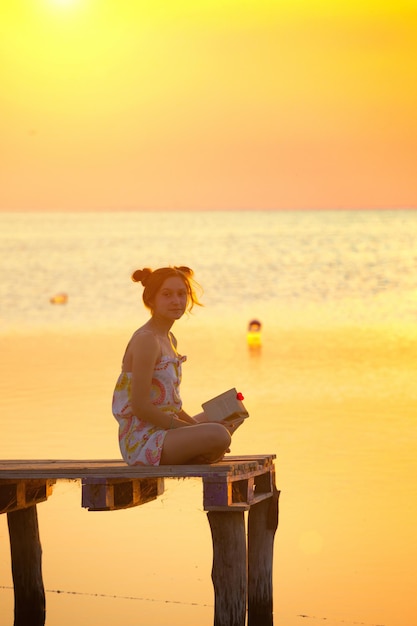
x=141 y=442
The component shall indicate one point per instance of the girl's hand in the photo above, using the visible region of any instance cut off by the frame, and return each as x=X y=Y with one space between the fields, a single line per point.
x=178 y=422
x=233 y=426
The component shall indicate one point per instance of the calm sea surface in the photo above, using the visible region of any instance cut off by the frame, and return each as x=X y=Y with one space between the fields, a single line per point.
x=331 y=392
x=343 y=267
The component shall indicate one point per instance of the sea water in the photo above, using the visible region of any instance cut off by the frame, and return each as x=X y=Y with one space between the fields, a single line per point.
x=340 y=266
x=331 y=391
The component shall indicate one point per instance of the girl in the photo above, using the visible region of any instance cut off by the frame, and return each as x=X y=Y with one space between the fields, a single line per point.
x=153 y=427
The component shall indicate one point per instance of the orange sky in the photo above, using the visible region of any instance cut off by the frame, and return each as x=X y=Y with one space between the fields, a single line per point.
x=185 y=104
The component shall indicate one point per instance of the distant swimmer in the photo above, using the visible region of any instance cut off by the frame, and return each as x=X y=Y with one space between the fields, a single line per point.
x=254 y=338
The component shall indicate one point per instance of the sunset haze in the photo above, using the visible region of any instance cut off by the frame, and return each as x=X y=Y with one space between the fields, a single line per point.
x=122 y=105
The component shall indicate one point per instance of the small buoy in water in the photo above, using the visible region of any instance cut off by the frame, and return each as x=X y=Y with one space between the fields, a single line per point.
x=59 y=298
x=254 y=334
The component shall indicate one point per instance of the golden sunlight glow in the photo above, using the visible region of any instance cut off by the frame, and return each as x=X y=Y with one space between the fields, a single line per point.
x=232 y=105
x=63 y=3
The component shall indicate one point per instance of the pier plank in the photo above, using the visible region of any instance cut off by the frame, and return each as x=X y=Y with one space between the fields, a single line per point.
x=116 y=468
x=16 y=494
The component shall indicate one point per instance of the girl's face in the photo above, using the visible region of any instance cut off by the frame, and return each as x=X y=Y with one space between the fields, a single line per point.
x=171 y=299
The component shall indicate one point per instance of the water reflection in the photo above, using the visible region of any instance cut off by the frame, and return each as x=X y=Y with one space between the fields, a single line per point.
x=338 y=409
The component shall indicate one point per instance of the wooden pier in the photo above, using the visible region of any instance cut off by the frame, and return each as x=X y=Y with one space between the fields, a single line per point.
x=242 y=558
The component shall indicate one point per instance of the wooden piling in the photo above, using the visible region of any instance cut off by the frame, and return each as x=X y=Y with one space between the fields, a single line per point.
x=229 y=572
x=26 y=553
x=262 y=524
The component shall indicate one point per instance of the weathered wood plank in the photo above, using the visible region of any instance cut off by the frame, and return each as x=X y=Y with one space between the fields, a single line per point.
x=235 y=482
x=51 y=468
x=19 y=494
x=262 y=524
x=112 y=494
x=237 y=493
x=26 y=552
x=229 y=572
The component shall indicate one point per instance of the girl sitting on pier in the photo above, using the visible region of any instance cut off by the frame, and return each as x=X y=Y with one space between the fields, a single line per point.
x=153 y=427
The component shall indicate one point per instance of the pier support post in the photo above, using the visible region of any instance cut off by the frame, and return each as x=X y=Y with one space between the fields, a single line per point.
x=262 y=524
x=229 y=573
x=26 y=553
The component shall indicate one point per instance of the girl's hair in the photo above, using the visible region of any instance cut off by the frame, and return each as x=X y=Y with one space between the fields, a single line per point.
x=153 y=281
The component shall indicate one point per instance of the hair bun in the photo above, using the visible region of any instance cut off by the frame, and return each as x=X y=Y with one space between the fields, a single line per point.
x=184 y=269
x=141 y=276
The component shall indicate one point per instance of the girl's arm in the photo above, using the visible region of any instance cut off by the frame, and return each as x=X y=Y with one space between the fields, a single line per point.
x=145 y=352
x=186 y=418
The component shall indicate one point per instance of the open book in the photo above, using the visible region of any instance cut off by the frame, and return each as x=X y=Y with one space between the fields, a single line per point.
x=227 y=407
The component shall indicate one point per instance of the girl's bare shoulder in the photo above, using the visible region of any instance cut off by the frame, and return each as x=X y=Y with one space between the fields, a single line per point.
x=143 y=345
x=143 y=339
